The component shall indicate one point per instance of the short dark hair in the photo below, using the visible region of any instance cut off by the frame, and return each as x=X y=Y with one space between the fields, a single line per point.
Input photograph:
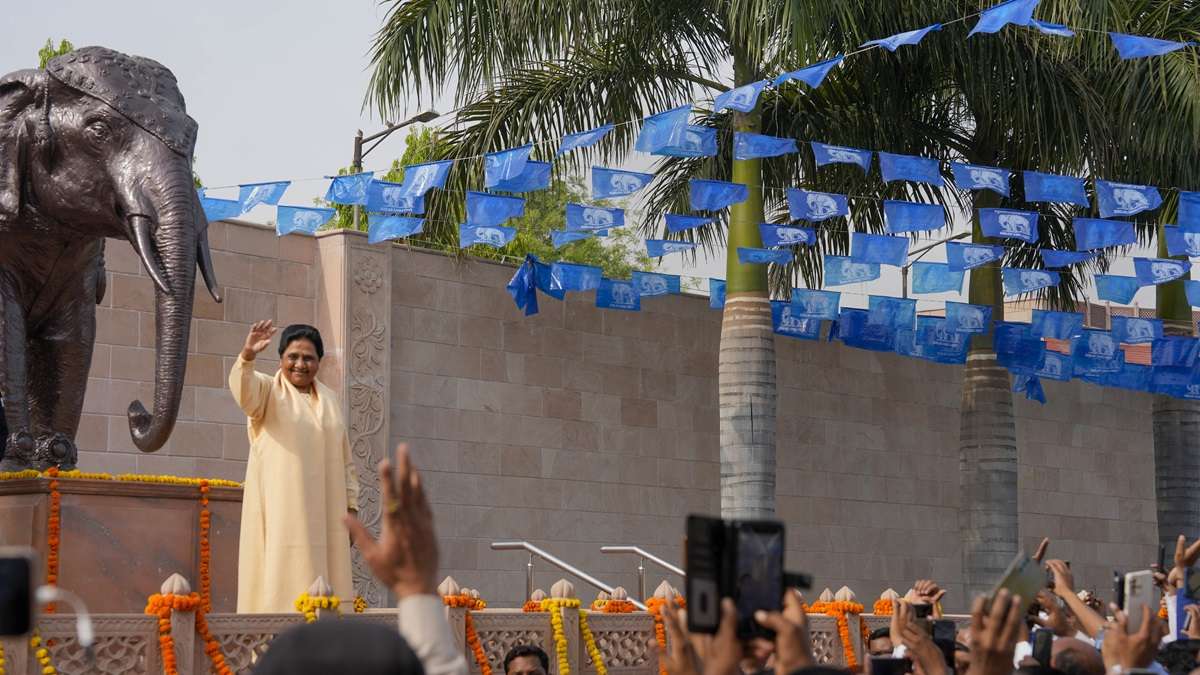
x=348 y=646
x=884 y=632
x=527 y=650
x=301 y=331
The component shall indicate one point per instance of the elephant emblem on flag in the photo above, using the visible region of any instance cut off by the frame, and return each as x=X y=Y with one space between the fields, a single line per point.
x=258 y=195
x=624 y=183
x=974 y=256
x=1052 y=367
x=394 y=197
x=1031 y=279
x=852 y=271
x=1164 y=271
x=490 y=236
x=971 y=319
x=1139 y=329
x=987 y=179
x=792 y=235
x=623 y=295
x=653 y=285
x=1013 y=225
x=674 y=247
x=821 y=206
x=1193 y=391
x=843 y=155
x=1192 y=240
x=1129 y=201
x=1101 y=347
x=422 y=180
x=790 y=323
x=598 y=219
x=815 y=306
x=306 y=220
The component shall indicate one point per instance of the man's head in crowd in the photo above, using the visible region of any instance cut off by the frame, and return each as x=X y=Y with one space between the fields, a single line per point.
x=1076 y=657
x=880 y=642
x=339 y=647
x=526 y=660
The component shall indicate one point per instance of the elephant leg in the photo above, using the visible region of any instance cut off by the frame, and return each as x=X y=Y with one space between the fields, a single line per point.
x=18 y=445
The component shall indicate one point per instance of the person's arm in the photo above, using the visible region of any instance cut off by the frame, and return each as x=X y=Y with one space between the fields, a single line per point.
x=1064 y=587
x=424 y=627
x=351 y=477
x=251 y=389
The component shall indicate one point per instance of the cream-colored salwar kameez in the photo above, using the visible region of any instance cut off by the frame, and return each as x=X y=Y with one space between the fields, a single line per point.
x=300 y=481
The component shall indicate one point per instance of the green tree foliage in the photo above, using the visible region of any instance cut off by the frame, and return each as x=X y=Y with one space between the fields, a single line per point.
x=49 y=51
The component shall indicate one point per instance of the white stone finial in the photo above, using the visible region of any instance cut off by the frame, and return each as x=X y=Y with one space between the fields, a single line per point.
x=890 y=595
x=475 y=594
x=449 y=587
x=826 y=596
x=175 y=585
x=320 y=588
x=538 y=595
x=619 y=593
x=562 y=590
x=844 y=594
x=664 y=591
x=602 y=597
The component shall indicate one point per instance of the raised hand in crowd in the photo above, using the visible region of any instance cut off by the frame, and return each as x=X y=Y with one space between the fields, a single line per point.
x=926 y=592
x=1185 y=557
x=688 y=654
x=1131 y=650
x=926 y=657
x=995 y=633
x=1056 y=617
x=1090 y=621
x=793 y=644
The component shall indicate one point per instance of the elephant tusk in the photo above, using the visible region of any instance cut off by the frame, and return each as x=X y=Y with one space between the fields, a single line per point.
x=204 y=259
x=143 y=243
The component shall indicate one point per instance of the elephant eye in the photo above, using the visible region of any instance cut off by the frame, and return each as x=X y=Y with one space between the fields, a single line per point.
x=99 y=131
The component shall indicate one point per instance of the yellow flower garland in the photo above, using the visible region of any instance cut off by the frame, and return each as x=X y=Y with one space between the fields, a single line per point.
x=555 y=607
x=123 y=478
x=589 y=641
x=42 y=654
x=2 y=671
x=309 y=604
x=360 y=606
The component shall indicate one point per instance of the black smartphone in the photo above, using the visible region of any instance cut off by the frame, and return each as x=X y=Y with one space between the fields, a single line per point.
x=922 y=610
x=945 y=635
x=887 y=665
x=1162 y=557
x=1118 y=589
x=742 y=560
x=1043 y=641
x=17 y=587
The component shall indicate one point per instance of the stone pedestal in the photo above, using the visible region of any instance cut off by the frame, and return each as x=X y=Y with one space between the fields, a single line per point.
x=119 y=540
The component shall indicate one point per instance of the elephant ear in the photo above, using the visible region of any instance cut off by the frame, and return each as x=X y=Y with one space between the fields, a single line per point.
x=19 y=93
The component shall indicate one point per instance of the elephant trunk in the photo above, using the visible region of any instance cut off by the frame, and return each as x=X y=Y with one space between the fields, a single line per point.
x=170 y=254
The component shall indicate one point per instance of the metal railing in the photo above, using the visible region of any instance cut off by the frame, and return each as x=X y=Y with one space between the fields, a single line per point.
x=643 y=556
x=535 y=553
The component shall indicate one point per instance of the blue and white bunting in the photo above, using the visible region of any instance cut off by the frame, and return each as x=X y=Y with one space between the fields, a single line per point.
x=536 y=176
x=1046 y=187
x=782 y=235
x=1057 y=366
x=753 y=146
x=894 y=42
x=385 y=197
x=1192 y=289
x=912 y=217
x=305 y=219
x=608 y=183
x=963 y=256
x=505 y=165
x=1182 y=240
x=1009 y=224
x=614 y=294
x=1189 y=209
x=968 y=318
x=1154 y=271
x=657 y=248
x=1174 y=351
x=220 y=209
x=786 y=321
x=840 y=271
x=940 y=343
x=973 y=177
x=253 y=194
x=1093 y=233
x=1123 y=199
x=1138 y=46
x=1096 y=352
x=1055 y=29
x=812 y=75
x=495 y=236
x=714 y=195
x=421 y=178
x=583 y=139
x=932 y=277
x=1052 y=259
x=743 y=99
x=349 y=189
x=836 y=154
x=763 y=256
x=694 y=141
x=487 y=210
x=560 y=238
x=814 y=304
x=1116 y=289
x=896 y=313
x=878 y=248
x=652 y=284
x=1018 y=350
x=381 y=228
x=1135 y=330
x=1018 y=281
x=523 y=286
x=663 y=130
x=1056 y=325
x=716 y=294
x=854 y=331
x=910 y=168
x=574 y=277
x=680 y=223
x=1031 y=386
x=584 y=217
x=544 y=279
x=816 y=206
x=1016 y=12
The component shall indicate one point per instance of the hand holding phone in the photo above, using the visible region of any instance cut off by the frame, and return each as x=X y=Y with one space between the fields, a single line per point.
x=742 y=560
x=1140 y=592
x=17 y=587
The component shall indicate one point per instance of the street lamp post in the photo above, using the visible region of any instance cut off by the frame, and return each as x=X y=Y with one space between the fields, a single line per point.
x=356 y=166
x=920 y=253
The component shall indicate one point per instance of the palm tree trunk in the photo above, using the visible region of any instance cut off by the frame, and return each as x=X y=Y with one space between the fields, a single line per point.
x=987 y=443
x=746 y=374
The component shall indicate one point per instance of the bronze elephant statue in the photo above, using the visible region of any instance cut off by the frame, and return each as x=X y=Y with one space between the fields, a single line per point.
x=97 y=145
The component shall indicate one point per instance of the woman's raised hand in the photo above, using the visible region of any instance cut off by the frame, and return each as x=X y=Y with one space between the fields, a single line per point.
x=258 y=339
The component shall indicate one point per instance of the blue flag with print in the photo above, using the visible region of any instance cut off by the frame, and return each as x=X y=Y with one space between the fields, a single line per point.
x=785 y=320
x=743 y=99
x=1057 y=366
x=836 y=154
x=813 y=304
x=253 y=194
x=816 y=206
x=678 y=223
x=939 y=342
x=716 y=294
x=1183 y=240
x=714 y=195
x=781 y=235
x=535 y=177
x=1009 y=224
x=1052 y=258
x=895 y=312
x=560 y=238
x=1056 y=325
x=1135 y=330
x=967 y=318
x=1189 y=209
x=910 y=168
x=752 y=146
x=1123 y=199
x=495 y=236
x=485 y=210
x=574 y=277
x=840 y=271
x=651 y=284
x=1192 y=289
x=1031 y=386
x=608 y=183
x=1154 y=271
x=614 y=294
x=930 y=277
x=657 y=248
x=1094 y=233
x=545 y=280
x=763 y=256
x=663 y=130
x=421 y=178
x=505 y=165
x=1131 y=376
x=1016 y=12
x=695 y=141
x=220 y=209
x=385 y=197
x=878 y=248
x=898 y=40
x=812 y=75
x=960 y=256
x=1116 y=289
x=1096 y=352
x=1017 y=349
x=1018 y=281
x=1138 y=46
x=523 y=286
x=1174 y=351
x=1176 y=382
x=912 y=217
x=584 y=217
x=583 y=139
x=1045 y=187
x=306 y=219
x=382 y=228
x=972 y=177
x=854 y=331
x=1056 y=29
x=349 y=189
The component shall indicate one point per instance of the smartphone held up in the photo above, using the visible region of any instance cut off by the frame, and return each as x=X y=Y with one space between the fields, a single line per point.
x=17 y=588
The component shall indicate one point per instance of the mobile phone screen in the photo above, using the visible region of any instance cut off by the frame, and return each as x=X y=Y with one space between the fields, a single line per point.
x=759 y=574
x=1024 y=577
x=16 y=596
x=884 y=665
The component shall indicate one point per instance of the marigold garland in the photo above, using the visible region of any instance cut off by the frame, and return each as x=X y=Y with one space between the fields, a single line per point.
x=532 y=606
x=555 y=607
x=53 y=533
x=589 y=641
x=41 y=654
x=839 y=609
x=309 y=604
x=123 y=478
x=470 y=603
x=205 y=550
x=883 y=607
x=162 y=605
x=618 y=607
x=1162 y=613
x=655 y=607
x=360 y=606
x=2 y=671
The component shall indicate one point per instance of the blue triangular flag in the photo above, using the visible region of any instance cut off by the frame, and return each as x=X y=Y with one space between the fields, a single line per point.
x=1123 y=199
x=1045 y=187
x=1052 y=259
x=930 y=277
x=1094 y=233
x=1182 y=240
x=608 y=183
x=1016 y=12
x=910 y=168
x=1189 y=209
x=678 y=223
x=523 y=286
x=253 y=194
x=812 y=75
x=836 y=154
x=1154 y=271
x=1018 y=350
x=1132 y=376
x=349 y=189
x=714 y=195
x=1174 y=381
x=385 y=197
x=854 y=331
x=657 y=248
x=614 y=294
x=742 y=99
x=583 y=139
x=421 y=178
x=574 y=277
x=938 y=342
x=535 y=177
x=878 y=248
x=307 y=219
x=912 y=217
x=1135 y=330
x=545 y=278
x=495 y=236
x=220 y=209
x=1056 y=29
x=716 y=294
x=560 y=238
x=893 y=312
x=651 y=284
x=663 y=130
x=1018 y=281
x=1031 y=386
x=779 y=235
x=1009 y=224
x=382 y=228
x=753 y=146
x=840 y=271
x=1096 y=352
x=898 y=40
x=813 y=304
x=967 y=318
x=763 y=256
x=962 y=256
x=695 y=141
x=584 y=217
x=1056 y=325
x=1116 y=289
x=505 y=165
x=973 y=177
x=1137 y=46
x=816 y=206
x=1057 y=367
x=1174 y=351
x=785 y=320
x=485 y=210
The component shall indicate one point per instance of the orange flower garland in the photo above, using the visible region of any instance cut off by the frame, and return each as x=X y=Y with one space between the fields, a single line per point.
x=618 y=607
x=531 y=606
x=470 y=603
x=161 y=606
x=655 y=606
x=53 y=533
x=205 y=550
x=839 y=609
x=1162 y=613
x=360 y=606
x=883 y=607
